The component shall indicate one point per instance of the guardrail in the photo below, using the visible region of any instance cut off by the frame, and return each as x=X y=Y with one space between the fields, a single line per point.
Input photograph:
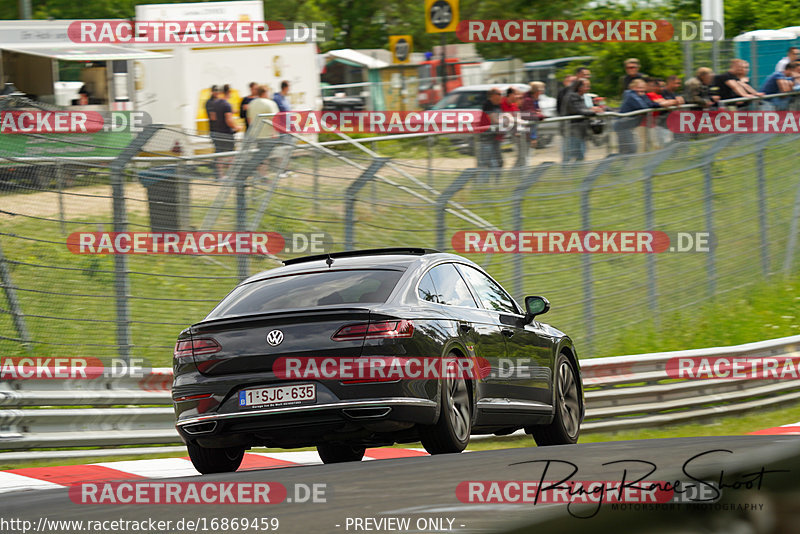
x=622 y=393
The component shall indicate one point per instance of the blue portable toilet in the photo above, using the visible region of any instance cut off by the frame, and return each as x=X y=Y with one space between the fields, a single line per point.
x=763 y=49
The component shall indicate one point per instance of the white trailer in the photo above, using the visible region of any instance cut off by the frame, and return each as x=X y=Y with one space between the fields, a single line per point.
x=174 y=90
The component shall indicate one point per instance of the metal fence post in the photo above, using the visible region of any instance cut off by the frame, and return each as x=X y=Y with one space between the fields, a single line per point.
x=242 y=260
x=516 y=218
x=442 y=200
x=523 y=143
x=429 y=141
x=315 y=183
x=762 y=211
x=121 y=281
x=61 y=213
x=649 y=216
x=791 y=243
x=688 y=60
x=350 y=199
x=708 y=205
x=586 y=223
x=17 y=317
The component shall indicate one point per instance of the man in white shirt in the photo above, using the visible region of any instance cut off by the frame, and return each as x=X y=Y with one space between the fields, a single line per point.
x=261 y=104
x=791 y=55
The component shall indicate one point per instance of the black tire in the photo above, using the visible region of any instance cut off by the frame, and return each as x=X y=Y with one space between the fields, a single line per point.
x=207 y=461
x=565 y=428
x=334 y=453
x=451 y=432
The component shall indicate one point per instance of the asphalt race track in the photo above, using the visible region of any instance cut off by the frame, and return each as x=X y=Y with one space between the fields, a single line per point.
x=422 y=491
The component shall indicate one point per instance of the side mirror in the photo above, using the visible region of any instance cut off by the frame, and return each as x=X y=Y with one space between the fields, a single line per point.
x=535 y=306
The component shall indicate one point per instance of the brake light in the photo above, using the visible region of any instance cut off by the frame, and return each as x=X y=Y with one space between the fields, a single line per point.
x=193 y=347
x=381 y=330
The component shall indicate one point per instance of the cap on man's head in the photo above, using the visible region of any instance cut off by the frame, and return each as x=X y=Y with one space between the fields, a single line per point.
x=631 y=61
x=215 y=88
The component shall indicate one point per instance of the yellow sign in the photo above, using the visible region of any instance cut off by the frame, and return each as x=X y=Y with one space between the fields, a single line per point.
x=401 y=47
x=441 y=16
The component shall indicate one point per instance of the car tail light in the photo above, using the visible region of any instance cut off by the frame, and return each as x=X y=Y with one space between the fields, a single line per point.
x=384 y=329
x=193 y=347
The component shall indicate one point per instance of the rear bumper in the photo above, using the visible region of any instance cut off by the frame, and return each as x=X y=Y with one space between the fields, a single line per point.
x=368 y=420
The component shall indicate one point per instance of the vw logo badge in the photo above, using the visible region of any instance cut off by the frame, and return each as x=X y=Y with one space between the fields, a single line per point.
x=275 y=338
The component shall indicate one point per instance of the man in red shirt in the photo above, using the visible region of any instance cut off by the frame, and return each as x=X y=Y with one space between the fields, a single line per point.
x=510 y=102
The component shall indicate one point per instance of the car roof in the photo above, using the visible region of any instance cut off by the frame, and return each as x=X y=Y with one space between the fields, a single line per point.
x=487 y=86
x=372 y=258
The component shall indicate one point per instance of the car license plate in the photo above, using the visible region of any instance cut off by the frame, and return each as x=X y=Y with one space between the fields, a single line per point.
x=278 y=395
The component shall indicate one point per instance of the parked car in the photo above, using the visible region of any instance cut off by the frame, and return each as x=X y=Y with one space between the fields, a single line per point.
x=231 y=390
x=470 y=97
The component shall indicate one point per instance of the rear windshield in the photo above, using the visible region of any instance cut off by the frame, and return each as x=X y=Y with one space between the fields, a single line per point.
x=309 y=290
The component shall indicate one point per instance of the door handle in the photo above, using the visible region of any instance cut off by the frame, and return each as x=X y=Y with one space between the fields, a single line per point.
x=507 y=332
x=465 y=327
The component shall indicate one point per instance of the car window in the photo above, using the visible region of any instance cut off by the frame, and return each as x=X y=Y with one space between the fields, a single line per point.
x=491 y=295
x=426 y=290
x=472 y=99
x=308 y=290
x=450 y=287
x=448 y=102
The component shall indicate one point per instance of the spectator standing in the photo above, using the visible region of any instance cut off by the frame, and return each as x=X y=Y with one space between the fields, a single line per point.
x=633 y=99
x=577 y=129
x=698 y=89
x=509 y=103
x=632 y=67
x=281 y=98
x=793 y=54
x=209 y=104
x=223 y=126
x=568 y=81
x=259 y=105
x=245 y=102
x=780 y=82
x=489 y=141
x=581 y=73
x=731 y=84
x=530 y=109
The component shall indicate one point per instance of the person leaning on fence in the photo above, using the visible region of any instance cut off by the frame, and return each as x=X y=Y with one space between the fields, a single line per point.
x=577 y=130
x=530 y=110
x=733 y=84
x=488 y=152
x=777 y=83
x=634 y=99
x=697 y=90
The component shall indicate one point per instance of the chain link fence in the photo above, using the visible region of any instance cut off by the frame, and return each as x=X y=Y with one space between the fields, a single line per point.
x=377 y=192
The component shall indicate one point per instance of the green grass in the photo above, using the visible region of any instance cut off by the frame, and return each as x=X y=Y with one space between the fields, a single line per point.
x=171 y=292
